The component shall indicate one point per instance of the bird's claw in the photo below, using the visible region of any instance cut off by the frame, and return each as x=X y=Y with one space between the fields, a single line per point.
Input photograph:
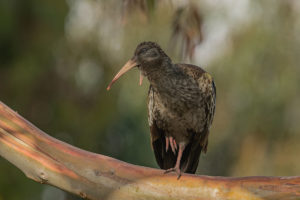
x=174 y=169
x=171 y=141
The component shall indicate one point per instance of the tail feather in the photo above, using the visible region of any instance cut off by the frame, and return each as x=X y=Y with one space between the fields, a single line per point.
x=167 y=160
x=190 y=158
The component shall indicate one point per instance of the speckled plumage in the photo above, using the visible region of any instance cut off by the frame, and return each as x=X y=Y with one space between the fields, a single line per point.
x=181 y=103
x=184 y=111
x=181 y=106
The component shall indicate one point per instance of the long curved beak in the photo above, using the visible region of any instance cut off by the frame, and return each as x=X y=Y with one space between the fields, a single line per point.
x=129 y=65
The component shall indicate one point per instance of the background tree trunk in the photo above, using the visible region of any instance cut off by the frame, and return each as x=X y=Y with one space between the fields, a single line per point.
x=94 y=176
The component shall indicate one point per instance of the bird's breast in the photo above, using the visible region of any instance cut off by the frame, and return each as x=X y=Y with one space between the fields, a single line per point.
x=180 y=95
x=176 y=112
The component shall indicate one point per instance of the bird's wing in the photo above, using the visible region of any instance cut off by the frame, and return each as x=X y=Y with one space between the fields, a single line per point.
x=164 y=159
x=199 y=140
x=207 y=85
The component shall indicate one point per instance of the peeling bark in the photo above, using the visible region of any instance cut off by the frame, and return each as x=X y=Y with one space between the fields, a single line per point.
x=94 y=176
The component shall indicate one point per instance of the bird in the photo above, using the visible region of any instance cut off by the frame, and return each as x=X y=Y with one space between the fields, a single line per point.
x=181 y=107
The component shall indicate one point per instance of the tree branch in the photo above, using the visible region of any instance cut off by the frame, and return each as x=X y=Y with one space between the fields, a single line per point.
x=94 y=176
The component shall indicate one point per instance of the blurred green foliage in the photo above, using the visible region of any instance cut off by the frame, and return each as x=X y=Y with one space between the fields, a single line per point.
x=56 y=58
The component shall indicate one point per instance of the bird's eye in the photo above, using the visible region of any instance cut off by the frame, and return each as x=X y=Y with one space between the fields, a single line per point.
x=153 y=53
x=143 y=50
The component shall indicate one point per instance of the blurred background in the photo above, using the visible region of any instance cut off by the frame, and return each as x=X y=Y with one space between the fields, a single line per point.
x=57 y=57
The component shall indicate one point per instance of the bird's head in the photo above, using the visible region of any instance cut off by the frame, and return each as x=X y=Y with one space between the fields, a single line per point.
x=147 y=57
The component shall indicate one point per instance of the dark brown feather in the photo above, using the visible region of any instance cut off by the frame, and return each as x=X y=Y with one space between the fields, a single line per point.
x=181 y=105
x=198 y=140
x=166 y=160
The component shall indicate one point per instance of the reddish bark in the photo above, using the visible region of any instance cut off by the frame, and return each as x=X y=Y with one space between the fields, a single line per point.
x=94 y=176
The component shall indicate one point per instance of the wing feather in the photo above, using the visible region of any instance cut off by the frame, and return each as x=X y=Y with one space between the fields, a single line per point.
x=205 y=83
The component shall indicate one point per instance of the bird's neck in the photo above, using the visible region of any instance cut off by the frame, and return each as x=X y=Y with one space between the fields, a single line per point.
x=162 y=76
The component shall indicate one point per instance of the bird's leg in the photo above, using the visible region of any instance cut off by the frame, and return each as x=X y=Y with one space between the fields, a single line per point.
x=175 y=145
x=177 y=165
x=171 y=141
x=172 y=144
x=167 y=144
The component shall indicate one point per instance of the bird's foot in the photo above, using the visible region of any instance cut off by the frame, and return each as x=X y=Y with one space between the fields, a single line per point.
x=170 y=141
x=174 y=169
